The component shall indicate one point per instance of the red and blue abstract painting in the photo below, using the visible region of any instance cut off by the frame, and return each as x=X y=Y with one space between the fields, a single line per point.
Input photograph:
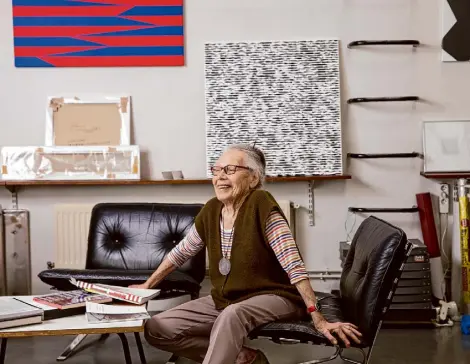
x=98 y=33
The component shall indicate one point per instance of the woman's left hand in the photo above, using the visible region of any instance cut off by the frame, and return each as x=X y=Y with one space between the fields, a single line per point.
x=343 y=330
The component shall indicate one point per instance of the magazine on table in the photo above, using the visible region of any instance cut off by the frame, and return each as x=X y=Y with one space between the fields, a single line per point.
x=98 y=313
x=132 y=295
x=70 y=299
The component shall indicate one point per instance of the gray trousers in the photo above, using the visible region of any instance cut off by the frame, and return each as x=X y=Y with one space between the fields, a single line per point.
x=197 y=331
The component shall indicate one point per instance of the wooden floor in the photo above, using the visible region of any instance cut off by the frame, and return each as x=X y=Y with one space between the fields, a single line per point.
x=394 y=346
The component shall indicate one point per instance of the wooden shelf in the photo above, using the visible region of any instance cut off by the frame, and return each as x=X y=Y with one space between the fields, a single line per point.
x=445 y=175
x=160 y=182
x=105 y=182
x=14 y=186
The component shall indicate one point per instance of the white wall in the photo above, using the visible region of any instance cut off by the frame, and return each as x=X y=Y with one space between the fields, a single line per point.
x=169 y=110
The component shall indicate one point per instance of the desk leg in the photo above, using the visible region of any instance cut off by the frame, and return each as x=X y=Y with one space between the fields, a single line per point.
x=69 y=350
x=3 y=350
x=125 y=347
x=140 y=348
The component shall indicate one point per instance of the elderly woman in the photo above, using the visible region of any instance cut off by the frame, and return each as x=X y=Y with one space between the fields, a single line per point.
x=256 y=271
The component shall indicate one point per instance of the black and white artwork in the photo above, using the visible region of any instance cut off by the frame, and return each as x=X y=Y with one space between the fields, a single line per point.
x=456 y=34
x=282 y=95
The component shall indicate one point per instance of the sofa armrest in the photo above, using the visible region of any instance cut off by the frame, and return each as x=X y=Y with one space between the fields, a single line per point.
x=175 y=282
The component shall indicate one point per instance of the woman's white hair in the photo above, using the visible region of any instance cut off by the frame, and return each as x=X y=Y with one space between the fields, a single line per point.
x=254 y=159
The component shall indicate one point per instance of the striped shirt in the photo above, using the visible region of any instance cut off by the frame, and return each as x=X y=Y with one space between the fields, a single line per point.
x=277 y=233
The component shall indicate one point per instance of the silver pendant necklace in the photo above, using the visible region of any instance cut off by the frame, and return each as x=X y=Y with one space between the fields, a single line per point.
x=224 y=262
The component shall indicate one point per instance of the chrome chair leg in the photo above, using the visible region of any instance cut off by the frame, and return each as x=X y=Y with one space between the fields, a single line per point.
x=323 y=360
x=364 y=357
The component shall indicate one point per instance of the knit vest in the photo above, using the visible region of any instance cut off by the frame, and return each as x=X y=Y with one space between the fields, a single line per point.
x=255 y=269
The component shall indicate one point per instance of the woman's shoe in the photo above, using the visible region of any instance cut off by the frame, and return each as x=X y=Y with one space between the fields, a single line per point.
x=260 y=358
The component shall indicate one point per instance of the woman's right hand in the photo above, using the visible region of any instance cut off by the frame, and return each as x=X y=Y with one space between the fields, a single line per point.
x=140 y=286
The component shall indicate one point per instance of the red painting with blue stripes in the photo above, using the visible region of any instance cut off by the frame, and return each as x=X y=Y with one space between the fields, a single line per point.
x=98 y=33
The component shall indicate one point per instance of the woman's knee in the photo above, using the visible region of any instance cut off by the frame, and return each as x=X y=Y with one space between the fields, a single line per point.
x=157 y=332
x=232 y=313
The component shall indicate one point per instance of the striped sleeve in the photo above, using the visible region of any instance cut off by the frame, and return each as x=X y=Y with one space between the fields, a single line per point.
x=186 y=248
x=281 y=241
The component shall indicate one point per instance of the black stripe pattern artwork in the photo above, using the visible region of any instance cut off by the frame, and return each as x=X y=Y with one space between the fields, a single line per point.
x=456 y=28
x=283 y=95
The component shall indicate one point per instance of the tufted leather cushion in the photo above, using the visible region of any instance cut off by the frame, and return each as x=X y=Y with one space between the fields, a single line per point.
x=368 y=281
x=128 y=241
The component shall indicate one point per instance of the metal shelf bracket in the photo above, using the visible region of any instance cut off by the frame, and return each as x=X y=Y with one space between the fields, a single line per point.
x=311 y=203
x=356 y=100
x=412 y=42
x=14 y=195
x=384 y=210
x=384 y=155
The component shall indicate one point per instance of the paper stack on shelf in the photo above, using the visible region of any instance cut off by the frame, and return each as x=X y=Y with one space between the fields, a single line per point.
x=131 y=295
x=15 y=313
x=97 y=313
x=71 y=163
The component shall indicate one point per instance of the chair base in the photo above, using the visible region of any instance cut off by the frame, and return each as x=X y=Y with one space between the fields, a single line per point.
x=323 y=360
x=365 y=358
x=339 y=352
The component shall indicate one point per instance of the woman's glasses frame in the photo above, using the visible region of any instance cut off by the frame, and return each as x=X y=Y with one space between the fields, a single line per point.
x=228 y=169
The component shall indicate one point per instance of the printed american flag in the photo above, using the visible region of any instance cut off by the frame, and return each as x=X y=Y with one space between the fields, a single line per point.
x=98 y=33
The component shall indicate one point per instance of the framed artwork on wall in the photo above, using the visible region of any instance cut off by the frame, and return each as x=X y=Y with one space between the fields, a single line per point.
x=282 y=95
x=455 y=34
x=98 y=33
x=446 y=146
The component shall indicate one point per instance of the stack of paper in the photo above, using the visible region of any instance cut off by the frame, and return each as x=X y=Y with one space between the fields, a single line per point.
x=99 y=313
x=16 y=313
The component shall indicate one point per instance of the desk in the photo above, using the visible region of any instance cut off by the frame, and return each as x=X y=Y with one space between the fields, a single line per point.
x=74 y=325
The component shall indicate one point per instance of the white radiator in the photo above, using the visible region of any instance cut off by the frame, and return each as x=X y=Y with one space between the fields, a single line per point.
x=71 y=235
x=72 y=222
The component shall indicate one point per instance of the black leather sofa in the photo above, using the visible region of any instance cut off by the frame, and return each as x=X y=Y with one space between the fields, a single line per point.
x=127 y=242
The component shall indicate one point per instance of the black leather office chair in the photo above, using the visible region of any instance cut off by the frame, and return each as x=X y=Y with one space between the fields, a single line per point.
x=126 y=243
x=368 y=281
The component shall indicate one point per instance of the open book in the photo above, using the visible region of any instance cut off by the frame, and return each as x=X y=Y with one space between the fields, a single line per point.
x=132 y=295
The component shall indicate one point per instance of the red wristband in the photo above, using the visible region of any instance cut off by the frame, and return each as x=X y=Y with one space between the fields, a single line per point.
x=313 y=308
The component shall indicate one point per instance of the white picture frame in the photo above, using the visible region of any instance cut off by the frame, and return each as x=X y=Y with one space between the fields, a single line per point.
x=446 y=146
x=105 y=122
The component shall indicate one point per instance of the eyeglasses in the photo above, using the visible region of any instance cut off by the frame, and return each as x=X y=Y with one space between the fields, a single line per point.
x=228 y=169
